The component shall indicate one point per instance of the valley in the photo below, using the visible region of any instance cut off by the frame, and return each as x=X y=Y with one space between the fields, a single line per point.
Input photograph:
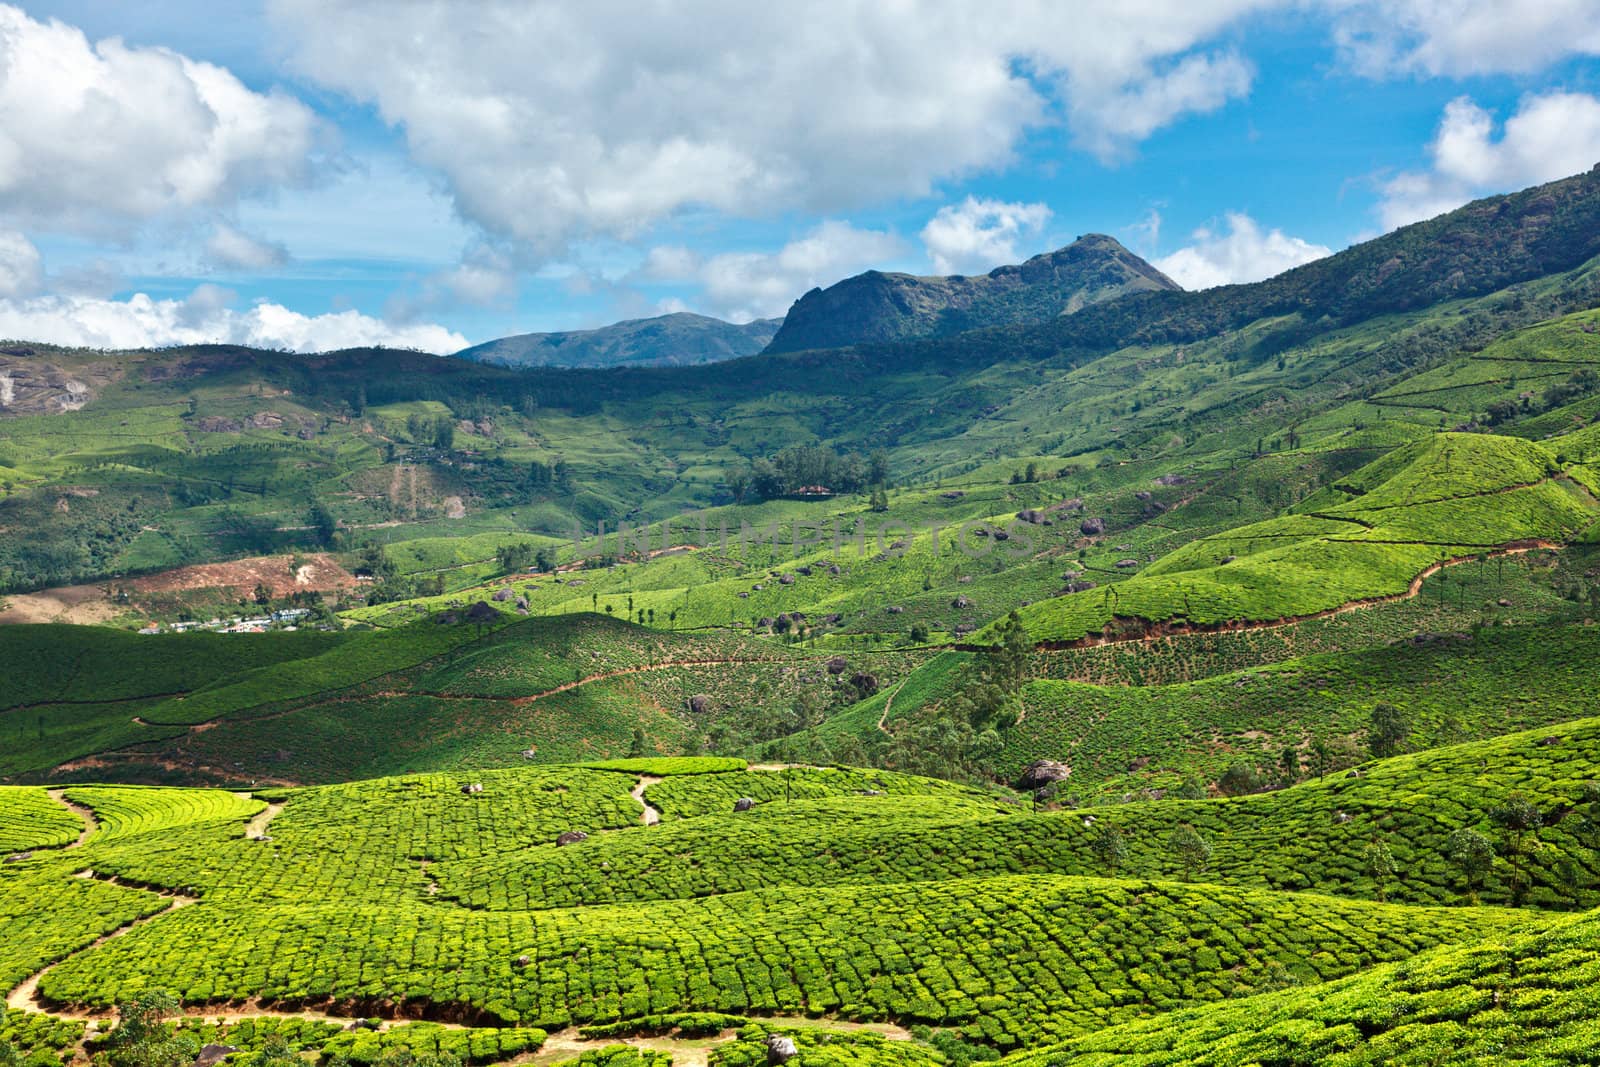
x=1056 y=667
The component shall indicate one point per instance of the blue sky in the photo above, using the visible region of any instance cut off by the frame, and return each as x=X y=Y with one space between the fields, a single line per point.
x=308 y=175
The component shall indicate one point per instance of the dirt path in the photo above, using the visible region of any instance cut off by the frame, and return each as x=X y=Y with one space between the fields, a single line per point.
x=695 y=1051
x=25 y=996
x=1159 y=630
x=888 y=706
x=256 y=828
x=90 y=823
x=650 y=816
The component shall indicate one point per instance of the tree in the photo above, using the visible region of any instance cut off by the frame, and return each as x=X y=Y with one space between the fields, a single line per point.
x=544 y=561
x=444 y=433
x=1192 y=850
x=263 y=595
x=1109 y=847
x=1388 y=730
x=1321 y=758
x=878 y=500
x=515 y=557
x=636 y=747
x=142 y=1037
x=1473 y=856
x=1519 y=822
x=1378 y=862
x=1289 y=763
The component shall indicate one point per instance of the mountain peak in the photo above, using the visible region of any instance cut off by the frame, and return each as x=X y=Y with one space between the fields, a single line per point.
x=877 y=306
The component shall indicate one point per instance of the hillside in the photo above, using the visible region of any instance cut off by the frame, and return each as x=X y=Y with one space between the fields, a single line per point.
x=680 y=339
x=841 y=907
x=876 y=307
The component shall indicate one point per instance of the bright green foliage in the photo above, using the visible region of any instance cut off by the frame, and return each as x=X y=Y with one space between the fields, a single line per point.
x=622 y=1056
x=46 y=913
x=1528 y=999
x=825 y=1048
x=1455 y=495
x=30 y=819
x=683 y=797
x=913 y=951
x=130 y=811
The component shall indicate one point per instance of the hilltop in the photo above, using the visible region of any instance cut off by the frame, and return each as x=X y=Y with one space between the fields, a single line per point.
x=680 y=339
x=876 y=307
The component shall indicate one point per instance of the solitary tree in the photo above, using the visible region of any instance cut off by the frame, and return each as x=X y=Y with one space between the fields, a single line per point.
x=1192 y=850
x=1109 y=847
x=1321 y=758
x=1379 y=864
x=1473 y=855
x=1388 y=731
x=1519 y=823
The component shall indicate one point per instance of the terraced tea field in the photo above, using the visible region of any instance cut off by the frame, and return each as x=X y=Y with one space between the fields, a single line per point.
x=521 y=909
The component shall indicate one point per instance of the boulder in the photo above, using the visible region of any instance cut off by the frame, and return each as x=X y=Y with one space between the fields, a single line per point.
x=780 y=1050
x=501 y=595
x=743 y=804
x=529 y=753
x=1042 y=772
x=1092 y=527
x=1124 y=564
x=961 y=602
x=699 y=703
x=522 y=962
x=18 y=857
x=1546 y=742
x=210 y=1055
x=572 y=837
x=837 y=665
x=472 y=788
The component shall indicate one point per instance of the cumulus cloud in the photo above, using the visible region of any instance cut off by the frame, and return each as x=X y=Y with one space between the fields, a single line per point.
x=555 y=122
x=977 y=234
x=99 y=138
x=1463 y=37
x=1240 y=252
x=233 y=249
x=21 y=266
x=741 y=286
x=1550 y=136
x=205 y=317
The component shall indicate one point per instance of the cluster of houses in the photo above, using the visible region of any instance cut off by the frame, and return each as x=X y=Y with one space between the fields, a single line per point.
x=285 y=619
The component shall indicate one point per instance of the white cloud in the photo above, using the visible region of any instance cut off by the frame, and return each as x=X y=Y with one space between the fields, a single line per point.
x=1241 y=253
x=1550 y=136
x=1463 y=37
x=233 y=249
x=205 y=317
x=101 y=138
x=21 y=266
x=977 y=235
x=741 y=286
x=554 y=122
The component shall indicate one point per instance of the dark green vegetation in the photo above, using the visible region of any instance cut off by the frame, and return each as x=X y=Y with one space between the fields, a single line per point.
x=677 y=340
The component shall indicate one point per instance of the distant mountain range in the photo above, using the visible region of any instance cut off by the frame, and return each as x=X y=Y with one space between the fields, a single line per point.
x=677 y=340
x=879 y=307
x=870 y=307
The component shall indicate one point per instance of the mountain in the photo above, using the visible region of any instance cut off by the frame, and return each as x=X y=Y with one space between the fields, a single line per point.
x=677 y=340
x=875 y=306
